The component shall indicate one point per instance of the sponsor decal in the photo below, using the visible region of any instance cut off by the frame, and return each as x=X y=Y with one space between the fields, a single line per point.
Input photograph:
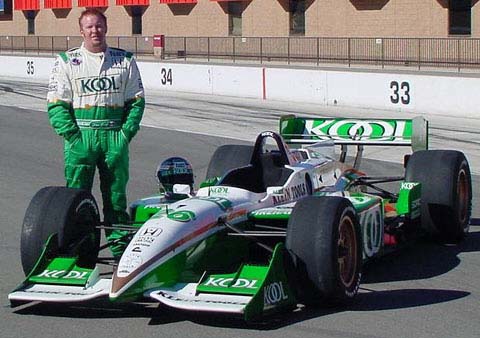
x=273 y=212
x=273 y=294
x=147 y=236
x=99 y=84
x=130 y=262
x=267 y=133
x=117 y=53
x=218 y=190
x=226 y=283
x=290 y=193
x=371 y=221
x=53 y=86
x=182 y=216
x=415 y=207
x=76 y=61
x=377 y=130
x=408 y=185
x=153 y=232
x=64 y=274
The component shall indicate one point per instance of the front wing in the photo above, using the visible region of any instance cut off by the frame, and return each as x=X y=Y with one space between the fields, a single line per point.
x=251 y=291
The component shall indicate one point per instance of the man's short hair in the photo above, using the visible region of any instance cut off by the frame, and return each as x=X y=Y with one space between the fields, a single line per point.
x=93 y=12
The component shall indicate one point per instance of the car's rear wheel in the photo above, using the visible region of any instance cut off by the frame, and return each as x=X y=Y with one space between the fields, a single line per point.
x=228 y=157
x=446 y=199
x=324 y=239
x=72 y=214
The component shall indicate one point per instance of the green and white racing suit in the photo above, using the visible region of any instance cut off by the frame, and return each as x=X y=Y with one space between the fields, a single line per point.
x=96 y=102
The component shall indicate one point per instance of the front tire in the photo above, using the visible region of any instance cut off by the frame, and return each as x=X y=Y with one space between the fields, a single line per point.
x=446 y=200
x=72 y=214
x=324 y=239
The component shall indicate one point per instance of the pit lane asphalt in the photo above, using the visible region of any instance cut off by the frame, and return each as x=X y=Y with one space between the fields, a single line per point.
x=426 y=291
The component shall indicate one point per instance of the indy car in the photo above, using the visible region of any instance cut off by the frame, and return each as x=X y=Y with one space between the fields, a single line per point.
x=273 y=225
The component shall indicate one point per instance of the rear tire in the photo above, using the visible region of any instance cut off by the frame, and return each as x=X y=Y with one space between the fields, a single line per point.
x=324 y=239
x=228 y=157
x=446 y=200
x=72 y=214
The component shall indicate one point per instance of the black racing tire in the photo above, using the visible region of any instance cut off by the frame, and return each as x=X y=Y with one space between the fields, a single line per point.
x=228 y=157
x=72 y=214
x=325 y=242
x=446 y=199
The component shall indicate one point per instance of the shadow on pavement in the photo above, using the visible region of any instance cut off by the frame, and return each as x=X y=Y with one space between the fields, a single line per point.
x=419 y=261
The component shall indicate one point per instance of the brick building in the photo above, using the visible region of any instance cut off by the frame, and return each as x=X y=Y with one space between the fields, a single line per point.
x=249 y=18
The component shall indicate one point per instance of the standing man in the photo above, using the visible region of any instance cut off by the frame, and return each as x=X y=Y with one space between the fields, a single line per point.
x=95 y=102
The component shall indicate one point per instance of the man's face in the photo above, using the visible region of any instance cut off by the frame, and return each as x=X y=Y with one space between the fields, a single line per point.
x=93 y=30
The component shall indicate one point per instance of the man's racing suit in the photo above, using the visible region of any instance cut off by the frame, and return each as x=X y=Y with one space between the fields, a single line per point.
x=96 y=102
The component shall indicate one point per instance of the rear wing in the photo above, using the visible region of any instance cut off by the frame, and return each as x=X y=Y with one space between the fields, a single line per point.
x=385 y=132
x=298 y=131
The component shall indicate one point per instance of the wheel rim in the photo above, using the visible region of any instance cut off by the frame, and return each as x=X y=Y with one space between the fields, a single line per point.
x=347 y=251
x=463 y=197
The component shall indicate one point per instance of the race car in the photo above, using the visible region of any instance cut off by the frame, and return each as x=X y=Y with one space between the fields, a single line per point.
x=273 y=225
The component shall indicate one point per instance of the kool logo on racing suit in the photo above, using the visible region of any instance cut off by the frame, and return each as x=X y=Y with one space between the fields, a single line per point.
x=98 y=84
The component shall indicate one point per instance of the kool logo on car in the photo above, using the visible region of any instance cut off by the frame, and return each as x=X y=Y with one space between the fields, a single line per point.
x=273 y=294
x=377 y=130
x=372 y=225
x=225 y=283
x=218 y=191
x=64 y=274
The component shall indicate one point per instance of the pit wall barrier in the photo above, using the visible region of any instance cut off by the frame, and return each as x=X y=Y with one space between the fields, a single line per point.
x=450 y=94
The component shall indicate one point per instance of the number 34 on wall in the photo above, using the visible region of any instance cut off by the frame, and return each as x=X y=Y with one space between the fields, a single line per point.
x=400 y=92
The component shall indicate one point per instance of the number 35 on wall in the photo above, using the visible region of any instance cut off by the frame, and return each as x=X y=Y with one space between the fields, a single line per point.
x=30 y=68
x=400 y=92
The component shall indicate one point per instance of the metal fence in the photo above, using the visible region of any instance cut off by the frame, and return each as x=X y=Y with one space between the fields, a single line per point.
x=457 y=53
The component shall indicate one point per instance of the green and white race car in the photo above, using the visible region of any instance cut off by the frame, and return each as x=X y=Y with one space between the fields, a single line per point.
x=274 y=225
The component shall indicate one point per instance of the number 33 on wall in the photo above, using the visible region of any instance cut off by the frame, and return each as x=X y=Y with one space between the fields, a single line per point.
x=400 y=92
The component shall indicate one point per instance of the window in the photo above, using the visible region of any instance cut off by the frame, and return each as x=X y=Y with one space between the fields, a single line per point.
x=460 y=12
x=235 y=10
x=137 y=13
x=30 y=22
x=297 y=17
x=5 y=7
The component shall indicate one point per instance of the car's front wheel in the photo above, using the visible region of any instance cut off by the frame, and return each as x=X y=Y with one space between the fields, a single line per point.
x=72 y=214
x=324 y=239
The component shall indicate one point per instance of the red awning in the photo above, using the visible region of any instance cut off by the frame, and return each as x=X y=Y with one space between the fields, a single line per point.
x=92 y=3
x=178 y=1
x=132 y=2
x=26 y=5
x=57 y=4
